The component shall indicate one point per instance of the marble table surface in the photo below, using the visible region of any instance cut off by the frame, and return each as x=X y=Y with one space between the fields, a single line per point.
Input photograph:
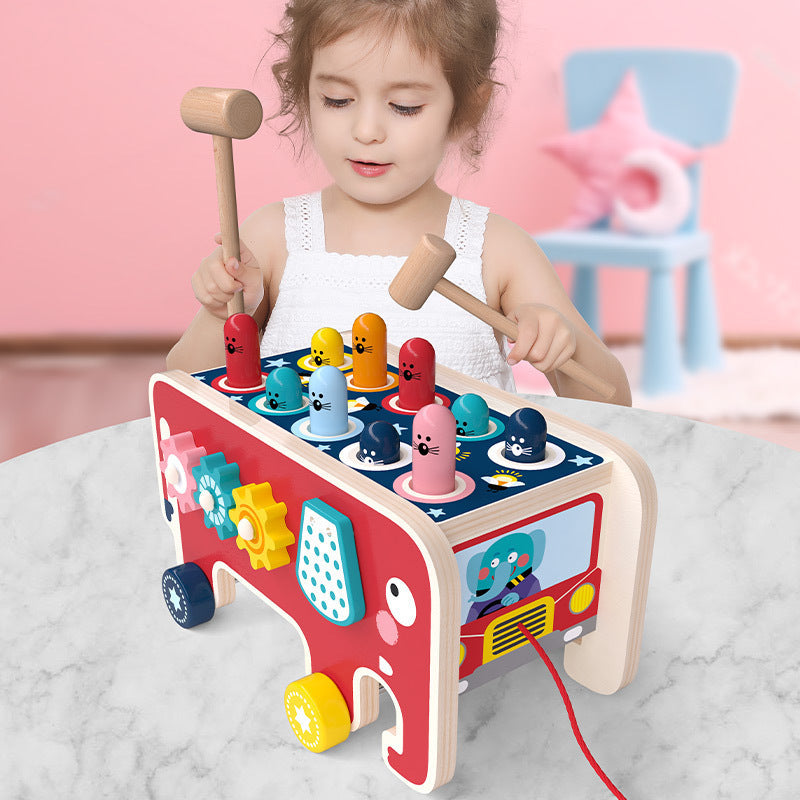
x=103 y=695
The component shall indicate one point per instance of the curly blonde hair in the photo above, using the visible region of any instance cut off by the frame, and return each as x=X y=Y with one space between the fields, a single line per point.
x=461 y=34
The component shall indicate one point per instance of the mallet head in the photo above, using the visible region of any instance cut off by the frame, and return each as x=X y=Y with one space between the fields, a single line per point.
x=233 y=113
x=422 y=270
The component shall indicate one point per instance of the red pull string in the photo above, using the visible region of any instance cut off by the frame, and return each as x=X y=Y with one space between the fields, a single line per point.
x=574 y=722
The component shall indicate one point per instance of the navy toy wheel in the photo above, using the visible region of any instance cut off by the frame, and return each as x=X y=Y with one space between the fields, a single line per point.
x=188 y=595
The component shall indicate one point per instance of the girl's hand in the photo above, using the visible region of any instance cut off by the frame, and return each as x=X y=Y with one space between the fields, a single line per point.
x=215 y=283
x=545 y=338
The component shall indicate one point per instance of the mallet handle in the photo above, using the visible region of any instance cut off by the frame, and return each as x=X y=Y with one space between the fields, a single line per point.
x=508 y=328
x=224 y=114
x=228 y=214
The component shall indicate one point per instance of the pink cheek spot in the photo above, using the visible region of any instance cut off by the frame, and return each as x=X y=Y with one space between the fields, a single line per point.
x=483 y=574
x=523 y=560
x=387 y=627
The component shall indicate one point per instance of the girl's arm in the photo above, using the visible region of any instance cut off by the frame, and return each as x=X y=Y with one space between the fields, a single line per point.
x=521 y=282
x=202 y=345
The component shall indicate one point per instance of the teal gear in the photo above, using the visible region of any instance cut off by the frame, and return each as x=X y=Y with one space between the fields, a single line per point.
x=216 y=476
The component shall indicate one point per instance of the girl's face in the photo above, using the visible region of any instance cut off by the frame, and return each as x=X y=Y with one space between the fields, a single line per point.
x=379 y=116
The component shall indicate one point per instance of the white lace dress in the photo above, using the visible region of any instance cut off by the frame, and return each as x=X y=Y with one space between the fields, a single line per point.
x=322 y=289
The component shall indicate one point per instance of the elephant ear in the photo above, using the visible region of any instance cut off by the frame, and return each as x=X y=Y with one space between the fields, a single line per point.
x=473 y=569
x=538 y=540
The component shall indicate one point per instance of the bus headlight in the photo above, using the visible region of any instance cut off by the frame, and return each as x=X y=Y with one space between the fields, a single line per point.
x=581 y=598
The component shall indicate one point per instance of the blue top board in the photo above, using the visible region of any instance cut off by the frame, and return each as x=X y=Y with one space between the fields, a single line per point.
x=493 y=480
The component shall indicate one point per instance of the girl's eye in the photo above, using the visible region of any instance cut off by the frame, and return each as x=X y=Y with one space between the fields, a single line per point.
x=406 y=111
x=335 y=102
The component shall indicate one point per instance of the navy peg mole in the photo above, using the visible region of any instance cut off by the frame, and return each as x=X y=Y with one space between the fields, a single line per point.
x=379 y=444
x=526 y=436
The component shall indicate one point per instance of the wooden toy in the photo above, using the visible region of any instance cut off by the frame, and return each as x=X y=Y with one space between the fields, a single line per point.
x=417 y=373
x=242 y=362
x=327 y=347
x=423 y=273
x=369 y=352
x=427 y=585
x=225 y=114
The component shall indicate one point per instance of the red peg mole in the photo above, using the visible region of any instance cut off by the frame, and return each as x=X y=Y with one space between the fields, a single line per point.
x=417 y=372
x=242 y=357
x=433 y=460
x=369 y=352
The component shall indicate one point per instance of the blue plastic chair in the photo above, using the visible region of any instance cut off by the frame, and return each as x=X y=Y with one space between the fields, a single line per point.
x=688 y=95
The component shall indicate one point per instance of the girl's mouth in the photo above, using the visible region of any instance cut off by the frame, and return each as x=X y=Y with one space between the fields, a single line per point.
x=369 y=169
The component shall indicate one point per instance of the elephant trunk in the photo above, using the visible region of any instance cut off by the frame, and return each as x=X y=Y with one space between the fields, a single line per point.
x=501 y=576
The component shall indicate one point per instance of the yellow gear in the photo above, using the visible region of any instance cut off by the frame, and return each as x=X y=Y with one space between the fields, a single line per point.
x=256 y=506
x=317 y=712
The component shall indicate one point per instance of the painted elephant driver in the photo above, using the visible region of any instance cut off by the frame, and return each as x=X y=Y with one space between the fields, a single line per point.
x=503 y=574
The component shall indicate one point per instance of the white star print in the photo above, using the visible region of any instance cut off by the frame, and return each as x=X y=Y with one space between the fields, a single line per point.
x=302 y=719
x=174 y=598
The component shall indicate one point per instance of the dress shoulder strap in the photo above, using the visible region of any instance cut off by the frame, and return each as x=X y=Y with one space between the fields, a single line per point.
x=304 y=226
x=466 y=225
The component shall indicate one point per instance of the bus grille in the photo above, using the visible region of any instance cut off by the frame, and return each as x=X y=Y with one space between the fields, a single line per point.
x=503 y=635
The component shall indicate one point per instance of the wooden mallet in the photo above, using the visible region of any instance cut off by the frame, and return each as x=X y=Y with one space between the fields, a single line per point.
x=226 y=114
x=423 y=273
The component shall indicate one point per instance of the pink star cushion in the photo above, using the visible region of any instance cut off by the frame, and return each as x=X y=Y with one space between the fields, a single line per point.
x=597 y=154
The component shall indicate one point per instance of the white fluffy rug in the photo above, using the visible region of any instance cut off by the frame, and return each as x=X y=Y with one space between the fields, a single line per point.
x=753 y=384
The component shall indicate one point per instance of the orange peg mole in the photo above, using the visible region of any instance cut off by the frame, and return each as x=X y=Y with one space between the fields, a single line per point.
x=369 y=352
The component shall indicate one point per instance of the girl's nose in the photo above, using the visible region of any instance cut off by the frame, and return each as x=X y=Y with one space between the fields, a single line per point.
x=367 y=126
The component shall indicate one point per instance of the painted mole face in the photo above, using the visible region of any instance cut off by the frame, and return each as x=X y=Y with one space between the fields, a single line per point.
x=433 y=458
x=379 y=444
x=241 y=333
x=369 y=351
x=327 y=393
x=472 y=415
x=416 y=367
x=327 y=347
x=284 y=391
x=526 y=436
x=242 y=358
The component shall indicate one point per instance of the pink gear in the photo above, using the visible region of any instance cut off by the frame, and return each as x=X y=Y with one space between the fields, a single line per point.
x=181 y=454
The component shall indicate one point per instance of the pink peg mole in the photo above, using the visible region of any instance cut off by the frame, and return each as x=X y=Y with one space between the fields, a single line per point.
x=433 y=459
x=242 y=356
x=417 y=373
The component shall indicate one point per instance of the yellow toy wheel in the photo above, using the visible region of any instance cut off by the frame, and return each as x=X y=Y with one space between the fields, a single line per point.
x=317 y=712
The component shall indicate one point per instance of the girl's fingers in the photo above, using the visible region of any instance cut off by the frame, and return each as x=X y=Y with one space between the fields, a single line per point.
x=245 y=256
x=540 y=350
x=562 y=350
x=526 y=339
x=521 y=347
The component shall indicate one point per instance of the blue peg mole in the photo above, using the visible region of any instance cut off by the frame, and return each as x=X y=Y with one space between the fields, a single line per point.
x=472 y=415
x=284 y=390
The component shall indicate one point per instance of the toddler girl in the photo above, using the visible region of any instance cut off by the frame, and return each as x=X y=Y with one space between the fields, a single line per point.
x=382 y=88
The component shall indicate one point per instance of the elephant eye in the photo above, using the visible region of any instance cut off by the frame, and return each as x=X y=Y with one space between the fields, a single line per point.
x=512 y=557
x=495 y=563
x=401 y=602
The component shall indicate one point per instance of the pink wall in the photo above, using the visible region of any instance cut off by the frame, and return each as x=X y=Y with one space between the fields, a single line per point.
x=109 y=201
